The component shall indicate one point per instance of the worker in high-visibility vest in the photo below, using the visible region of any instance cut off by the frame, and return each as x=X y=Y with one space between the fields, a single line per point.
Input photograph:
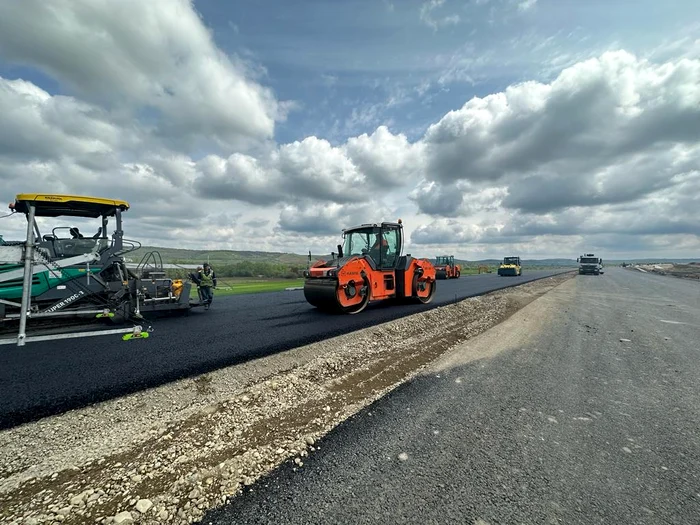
x=207 y=283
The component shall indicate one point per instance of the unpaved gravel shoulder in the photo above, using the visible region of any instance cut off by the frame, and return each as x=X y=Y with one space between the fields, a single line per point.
x=683 y=271
x=167 y=454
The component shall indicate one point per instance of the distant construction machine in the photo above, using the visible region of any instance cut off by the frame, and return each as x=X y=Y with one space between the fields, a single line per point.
x=445 y=267
x=590 y=264
x=510 y=266
x=63 y=274
x=368 y=267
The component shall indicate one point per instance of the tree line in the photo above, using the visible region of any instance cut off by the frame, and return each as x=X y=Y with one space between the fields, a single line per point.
x=248 y=269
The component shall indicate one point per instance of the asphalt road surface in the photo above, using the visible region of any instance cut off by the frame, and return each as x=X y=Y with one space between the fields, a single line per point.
x=46 y=378
x=575 y=426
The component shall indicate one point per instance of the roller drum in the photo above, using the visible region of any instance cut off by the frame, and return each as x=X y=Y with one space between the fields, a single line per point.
x=323 y=294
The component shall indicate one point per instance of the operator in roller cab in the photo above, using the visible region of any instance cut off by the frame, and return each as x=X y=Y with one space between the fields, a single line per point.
x=380 y=247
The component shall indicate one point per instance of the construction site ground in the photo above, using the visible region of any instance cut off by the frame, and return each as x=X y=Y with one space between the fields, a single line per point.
x=51 y=377
x=170 y=453
x=684 y=271
x=581 y=408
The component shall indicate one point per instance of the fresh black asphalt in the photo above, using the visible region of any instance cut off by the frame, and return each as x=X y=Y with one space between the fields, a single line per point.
x=45 y=378
x=577 y=427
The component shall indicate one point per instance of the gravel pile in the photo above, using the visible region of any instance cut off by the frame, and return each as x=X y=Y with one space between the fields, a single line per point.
x=168 y=454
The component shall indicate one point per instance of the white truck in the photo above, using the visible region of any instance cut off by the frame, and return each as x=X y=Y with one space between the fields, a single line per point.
x=590 y=264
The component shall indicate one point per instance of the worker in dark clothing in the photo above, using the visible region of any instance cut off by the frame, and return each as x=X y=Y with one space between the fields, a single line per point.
x=207 y=283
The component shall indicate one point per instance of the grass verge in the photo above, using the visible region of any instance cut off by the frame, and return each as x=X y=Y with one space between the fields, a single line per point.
x=242 y=286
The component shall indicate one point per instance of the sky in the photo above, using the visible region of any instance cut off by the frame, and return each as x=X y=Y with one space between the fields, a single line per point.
x=538 y=128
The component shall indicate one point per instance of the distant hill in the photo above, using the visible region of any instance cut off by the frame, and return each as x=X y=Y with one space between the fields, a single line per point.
x=183 y=256
x=572 y=262
x=525 y=262
x=650 y=261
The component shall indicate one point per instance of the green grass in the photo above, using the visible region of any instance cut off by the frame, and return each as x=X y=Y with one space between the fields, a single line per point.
x=469 y=271
x=233 y=286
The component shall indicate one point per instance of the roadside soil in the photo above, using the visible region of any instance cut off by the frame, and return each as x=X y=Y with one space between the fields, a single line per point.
x=684 y=271
x=166 y=455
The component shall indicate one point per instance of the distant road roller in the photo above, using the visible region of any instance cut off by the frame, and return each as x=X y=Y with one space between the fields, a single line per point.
x=510 y=266
x=369 y=267
x=445 y=267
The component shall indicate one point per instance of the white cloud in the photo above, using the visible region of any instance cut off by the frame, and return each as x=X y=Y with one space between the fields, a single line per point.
x=574 y=141
x=459 y=199
x=606 y=152
x=316 y=169
x=685 y=43
x=154 y=55
x=239 y=177
x=311 y=178
x=446 y=231
x=427 y=15
x=37 y=125
x=437 y=199
x=386 y=159
x=325 y=219
x=329 y=80
x=313 y=169
x=464 y=65
x=526 y=5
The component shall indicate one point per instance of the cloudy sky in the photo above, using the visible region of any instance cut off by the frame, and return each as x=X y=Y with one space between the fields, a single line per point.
x=491 y=127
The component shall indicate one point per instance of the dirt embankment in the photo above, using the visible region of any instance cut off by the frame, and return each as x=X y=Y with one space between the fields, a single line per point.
x=168 y=454
x=684 y=271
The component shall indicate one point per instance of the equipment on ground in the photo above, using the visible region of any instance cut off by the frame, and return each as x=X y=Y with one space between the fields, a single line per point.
x=445 y=267
x=369 y=266
x=484 y=269
x=510 y=266
x=65 y=274
x=590 y=264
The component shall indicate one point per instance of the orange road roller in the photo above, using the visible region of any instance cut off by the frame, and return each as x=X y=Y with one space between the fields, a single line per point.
x=369 y=267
